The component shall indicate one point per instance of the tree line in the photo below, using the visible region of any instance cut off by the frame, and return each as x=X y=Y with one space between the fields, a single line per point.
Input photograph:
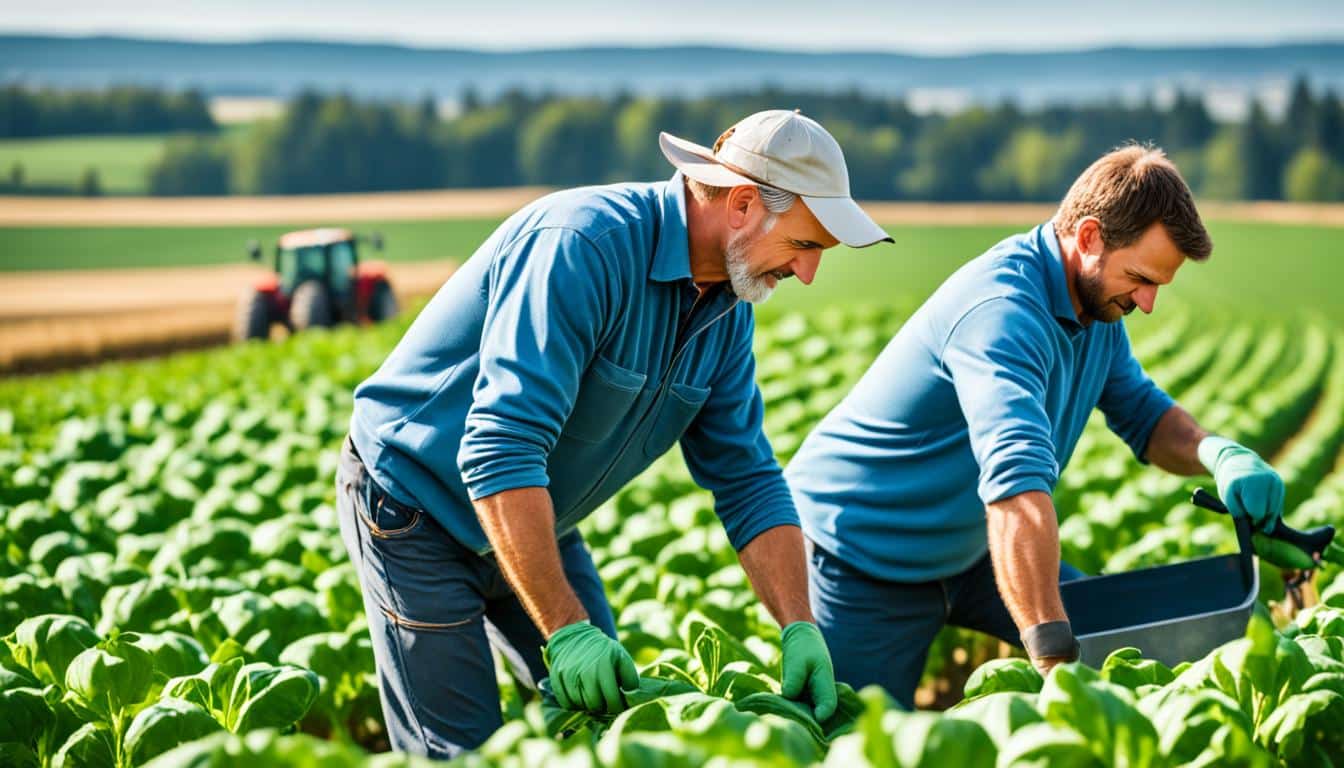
x=336 y=143
x=26 y=112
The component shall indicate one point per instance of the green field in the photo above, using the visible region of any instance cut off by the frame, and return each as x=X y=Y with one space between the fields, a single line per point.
x=26 y=248
x=122 y=162
x=174 y=589
x=1256 y=267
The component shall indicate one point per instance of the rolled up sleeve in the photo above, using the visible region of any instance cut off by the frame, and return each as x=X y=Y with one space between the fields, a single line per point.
x=550 y=297
x=728 y=453
x=998 y=360
x=1131 y=402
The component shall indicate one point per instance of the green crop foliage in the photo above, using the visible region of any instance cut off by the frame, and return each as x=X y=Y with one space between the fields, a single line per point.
x=173 y=587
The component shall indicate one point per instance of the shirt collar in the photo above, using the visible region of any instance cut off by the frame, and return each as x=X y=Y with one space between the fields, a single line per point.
x=672 y=254
x=1057 y=286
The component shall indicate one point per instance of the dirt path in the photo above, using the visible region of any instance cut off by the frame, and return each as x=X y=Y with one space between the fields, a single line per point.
x=60 y=319
x=474 y=203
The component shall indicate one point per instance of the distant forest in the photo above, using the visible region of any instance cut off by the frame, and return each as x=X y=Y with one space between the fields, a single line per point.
x=335 y=143
x=28 y=113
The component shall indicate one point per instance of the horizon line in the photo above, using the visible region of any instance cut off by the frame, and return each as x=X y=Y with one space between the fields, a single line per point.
x=597 y=46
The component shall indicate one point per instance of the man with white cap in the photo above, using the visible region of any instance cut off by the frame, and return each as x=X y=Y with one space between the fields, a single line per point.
x=592 y=331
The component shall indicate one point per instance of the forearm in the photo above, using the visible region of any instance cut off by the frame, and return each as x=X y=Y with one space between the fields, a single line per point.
x=1024 y=548
x=1174 y=443
x=520 y=525
x=776 y=564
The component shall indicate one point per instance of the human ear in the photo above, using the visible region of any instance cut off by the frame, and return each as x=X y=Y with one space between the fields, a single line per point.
x=740 y=201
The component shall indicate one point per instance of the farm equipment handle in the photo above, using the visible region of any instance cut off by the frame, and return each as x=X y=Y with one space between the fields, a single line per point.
x=1313 y=541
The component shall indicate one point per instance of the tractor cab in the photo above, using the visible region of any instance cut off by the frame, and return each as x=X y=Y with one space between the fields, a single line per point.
x=317 y=280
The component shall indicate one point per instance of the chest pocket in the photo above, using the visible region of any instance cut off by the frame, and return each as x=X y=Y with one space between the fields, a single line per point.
x=606 y=393
x=675 y=413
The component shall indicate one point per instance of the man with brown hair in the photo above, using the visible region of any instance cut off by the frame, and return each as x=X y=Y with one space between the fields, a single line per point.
x=925 y=495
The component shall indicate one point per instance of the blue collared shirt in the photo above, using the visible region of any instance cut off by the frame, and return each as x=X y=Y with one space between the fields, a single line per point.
x=569 y=352
x=982 y=395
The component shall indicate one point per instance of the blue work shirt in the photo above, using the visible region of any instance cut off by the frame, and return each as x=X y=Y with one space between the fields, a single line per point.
x=980 y=396
x=569 y=352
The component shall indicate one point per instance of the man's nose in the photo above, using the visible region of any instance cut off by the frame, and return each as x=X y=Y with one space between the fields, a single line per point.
x=1146 y=297
x=805 y=267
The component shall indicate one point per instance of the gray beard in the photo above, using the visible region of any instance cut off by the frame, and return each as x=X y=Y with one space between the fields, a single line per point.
x=753 y=289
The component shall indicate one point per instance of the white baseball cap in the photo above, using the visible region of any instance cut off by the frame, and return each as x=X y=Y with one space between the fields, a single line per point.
x=783 y=149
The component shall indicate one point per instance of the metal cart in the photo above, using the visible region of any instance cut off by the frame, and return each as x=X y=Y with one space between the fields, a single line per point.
x=1180 y=612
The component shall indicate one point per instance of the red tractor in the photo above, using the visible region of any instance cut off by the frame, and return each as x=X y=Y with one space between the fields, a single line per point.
x=318 y=281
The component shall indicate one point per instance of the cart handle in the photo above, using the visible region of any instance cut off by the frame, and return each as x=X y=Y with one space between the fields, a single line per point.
x=1312 y=541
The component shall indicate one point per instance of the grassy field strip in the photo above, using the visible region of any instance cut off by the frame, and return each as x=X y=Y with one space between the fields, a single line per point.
x=55 y=248
x=122 y=162
x=242 y=210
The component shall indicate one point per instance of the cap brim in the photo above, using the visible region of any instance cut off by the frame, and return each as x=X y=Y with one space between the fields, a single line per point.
x=846 y=221
x=698 y=162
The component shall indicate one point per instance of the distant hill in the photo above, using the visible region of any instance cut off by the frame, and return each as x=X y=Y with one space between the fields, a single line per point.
x=278 y=68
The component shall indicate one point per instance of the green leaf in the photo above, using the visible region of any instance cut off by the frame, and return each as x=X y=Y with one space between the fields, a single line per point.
x=165 y=724
x=1000 y=714
x=1049 y=745
x=1074 y=697
x=1304 y=720
x=45 y=645
x=343 y=664
x=174 y=654
x=112 y=676
x=1001 y=675
x=1187 y=721
x=138 y=607
x=1127 y=667
x=14 y=755
x=264 y=696
x=926 y=740
x=24 y=715
x=89 y=747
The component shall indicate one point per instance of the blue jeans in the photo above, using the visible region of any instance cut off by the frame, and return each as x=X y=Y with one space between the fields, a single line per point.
x=879 y=632
x=435 y=609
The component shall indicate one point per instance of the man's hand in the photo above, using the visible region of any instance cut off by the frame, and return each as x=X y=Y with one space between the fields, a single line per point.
x=1050 y=643
x=1247 y=485
x=807 y=668
x=777 y=567
x=589 y=669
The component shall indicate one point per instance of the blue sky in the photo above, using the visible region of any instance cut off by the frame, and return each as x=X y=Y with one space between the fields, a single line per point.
x=942 y=26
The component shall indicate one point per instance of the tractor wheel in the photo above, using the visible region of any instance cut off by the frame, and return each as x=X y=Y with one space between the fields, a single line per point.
x=252 y=319
x=311 y=306
x=383 y=303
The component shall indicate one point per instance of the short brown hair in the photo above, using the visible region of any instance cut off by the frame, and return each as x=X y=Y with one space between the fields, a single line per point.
x=1129 y=189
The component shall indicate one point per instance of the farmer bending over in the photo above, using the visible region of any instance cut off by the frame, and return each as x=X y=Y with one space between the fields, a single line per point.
x=595 y=329
x=926 y=494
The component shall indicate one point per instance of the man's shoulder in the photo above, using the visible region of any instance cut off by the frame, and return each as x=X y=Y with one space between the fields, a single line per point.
x=595 y=212
x=1008 y=280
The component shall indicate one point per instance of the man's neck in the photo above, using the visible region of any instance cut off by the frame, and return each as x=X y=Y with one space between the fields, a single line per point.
x=1068 y=255
x=704 y=234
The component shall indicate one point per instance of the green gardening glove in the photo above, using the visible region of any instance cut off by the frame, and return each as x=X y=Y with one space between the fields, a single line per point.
x=1246 y=484
x=807 y=667
x=589 y=669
